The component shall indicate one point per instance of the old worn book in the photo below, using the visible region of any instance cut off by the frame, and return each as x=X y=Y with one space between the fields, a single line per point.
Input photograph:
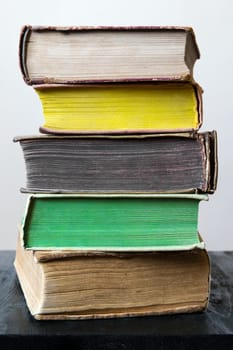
x=70 y=55
x=120 y=108
x=111 y=222
x=78 y=285
x=119 y=164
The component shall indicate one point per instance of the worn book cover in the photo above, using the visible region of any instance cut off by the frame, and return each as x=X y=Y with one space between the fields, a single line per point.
x=73 y=285
x=71 y=55
x=121 y=108
x=112 y=222
x=163 y=163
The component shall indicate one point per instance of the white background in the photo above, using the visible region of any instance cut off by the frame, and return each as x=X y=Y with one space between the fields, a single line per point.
x=21 y=112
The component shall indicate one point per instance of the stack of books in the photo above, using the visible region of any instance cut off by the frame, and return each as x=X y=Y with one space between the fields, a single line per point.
x=117 y=174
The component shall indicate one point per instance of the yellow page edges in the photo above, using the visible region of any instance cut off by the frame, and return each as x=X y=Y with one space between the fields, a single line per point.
x=120 y=107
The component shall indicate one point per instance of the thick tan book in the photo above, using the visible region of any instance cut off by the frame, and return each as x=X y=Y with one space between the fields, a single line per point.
x=80 y=285
x=71 y=55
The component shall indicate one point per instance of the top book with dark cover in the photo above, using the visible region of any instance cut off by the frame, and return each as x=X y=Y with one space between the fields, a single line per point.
x=71 y=55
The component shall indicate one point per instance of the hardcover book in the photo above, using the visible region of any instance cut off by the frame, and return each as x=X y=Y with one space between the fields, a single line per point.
x=79 y=285
x=112 y=222
x=70 y=55
x=119 y=164
x=121 y=108
x=110 y=228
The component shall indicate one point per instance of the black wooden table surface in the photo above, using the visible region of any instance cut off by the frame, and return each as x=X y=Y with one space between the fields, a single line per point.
x=212 y=329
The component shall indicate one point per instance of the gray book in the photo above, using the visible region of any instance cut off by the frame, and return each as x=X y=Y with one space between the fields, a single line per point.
x=175 y=163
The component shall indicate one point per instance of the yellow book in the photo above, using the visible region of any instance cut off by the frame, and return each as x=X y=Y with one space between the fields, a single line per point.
x=121 y=108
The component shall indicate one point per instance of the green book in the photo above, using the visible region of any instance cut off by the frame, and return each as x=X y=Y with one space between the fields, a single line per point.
x=112 y=222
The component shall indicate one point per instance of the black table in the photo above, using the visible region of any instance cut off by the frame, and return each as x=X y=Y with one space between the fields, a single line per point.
x=210 y=330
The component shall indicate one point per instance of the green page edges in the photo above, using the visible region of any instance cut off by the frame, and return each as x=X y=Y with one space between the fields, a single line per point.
x=112 y=222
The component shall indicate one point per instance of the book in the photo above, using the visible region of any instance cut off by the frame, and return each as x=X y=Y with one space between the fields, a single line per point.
x=111 y=222
x=111 y=228
x=162 y=163
x=120 y=108
x=79 y=285
x=73 y=55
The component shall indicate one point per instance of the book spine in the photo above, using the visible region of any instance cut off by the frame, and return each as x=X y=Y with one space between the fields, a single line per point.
x=213 y=161
x=25 y=32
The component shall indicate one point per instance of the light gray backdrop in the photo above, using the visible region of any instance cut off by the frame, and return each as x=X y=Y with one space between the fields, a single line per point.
x=21 y=112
